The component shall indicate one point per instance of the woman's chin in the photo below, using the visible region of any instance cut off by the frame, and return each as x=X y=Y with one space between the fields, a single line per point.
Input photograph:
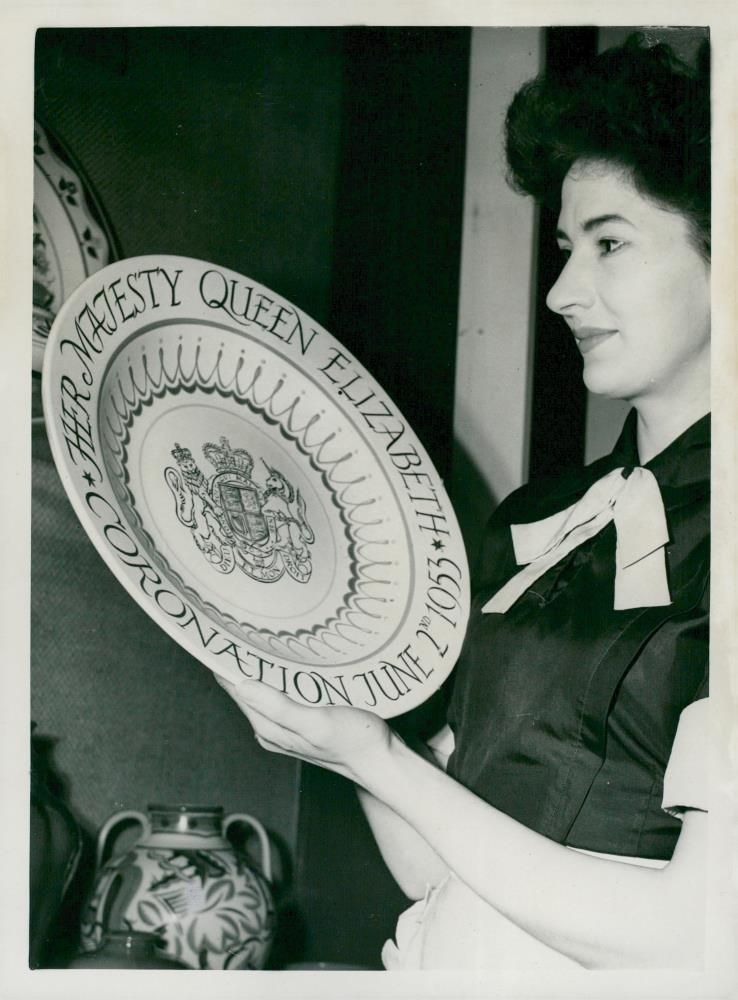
x=601 y=383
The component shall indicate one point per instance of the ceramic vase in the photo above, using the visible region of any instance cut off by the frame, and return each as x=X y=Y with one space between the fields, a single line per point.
x=184 y=881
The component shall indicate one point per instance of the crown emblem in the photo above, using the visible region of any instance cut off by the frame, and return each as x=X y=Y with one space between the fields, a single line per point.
x=181 y=455
x=190 y=469
x=227 y=459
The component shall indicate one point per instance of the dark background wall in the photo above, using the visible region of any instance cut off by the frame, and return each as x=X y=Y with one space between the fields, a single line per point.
x=217 y=142
x=328 y=165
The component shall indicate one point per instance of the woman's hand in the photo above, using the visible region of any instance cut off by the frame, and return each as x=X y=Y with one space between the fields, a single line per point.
x=355 y=744
x=348 y=741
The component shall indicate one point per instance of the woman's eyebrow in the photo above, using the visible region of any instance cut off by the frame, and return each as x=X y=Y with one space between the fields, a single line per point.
x=597 y=220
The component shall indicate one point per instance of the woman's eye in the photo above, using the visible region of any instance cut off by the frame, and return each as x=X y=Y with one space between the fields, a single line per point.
x=609 y=246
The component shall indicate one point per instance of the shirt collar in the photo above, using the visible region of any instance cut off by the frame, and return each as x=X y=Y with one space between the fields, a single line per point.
x=682 y=471
x=683 y=464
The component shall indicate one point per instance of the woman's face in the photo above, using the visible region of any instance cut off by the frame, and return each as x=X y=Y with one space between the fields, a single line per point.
x=634 y=290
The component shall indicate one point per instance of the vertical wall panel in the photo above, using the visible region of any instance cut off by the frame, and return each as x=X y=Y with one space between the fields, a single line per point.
x=491 y=419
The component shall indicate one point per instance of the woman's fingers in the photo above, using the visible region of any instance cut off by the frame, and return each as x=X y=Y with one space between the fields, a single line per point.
x=247 y=692
x=264 y=726
x=343 y=739
x=266 y=744
x=278 y=722
x=272 y=704
x=273 y=736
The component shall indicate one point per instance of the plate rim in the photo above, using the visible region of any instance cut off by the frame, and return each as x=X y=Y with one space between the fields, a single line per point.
x=77 y=496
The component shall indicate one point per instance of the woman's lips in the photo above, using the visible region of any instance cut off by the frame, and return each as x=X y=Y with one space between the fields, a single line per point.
x=588 y=338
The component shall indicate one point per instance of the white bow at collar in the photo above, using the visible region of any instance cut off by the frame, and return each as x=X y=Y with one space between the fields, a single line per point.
x=634 y=503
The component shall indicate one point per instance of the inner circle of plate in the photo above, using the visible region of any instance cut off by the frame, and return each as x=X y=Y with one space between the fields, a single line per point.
x=212 y=392
x=252 y=487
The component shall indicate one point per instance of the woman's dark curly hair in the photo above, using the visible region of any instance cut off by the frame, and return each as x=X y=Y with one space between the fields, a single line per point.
x=636 y=106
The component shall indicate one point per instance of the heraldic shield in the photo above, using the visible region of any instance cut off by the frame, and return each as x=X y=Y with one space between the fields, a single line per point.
x=242 y=509
x=235 y=522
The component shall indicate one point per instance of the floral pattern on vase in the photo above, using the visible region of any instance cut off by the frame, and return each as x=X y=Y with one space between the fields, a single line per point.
x=189 y=885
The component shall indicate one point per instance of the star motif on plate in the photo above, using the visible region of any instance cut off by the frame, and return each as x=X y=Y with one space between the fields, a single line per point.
x=438 y=544
x=89 y=478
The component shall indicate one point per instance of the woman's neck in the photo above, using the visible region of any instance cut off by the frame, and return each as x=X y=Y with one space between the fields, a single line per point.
x=657 y=427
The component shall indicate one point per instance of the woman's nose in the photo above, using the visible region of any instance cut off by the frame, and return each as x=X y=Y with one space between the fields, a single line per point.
x=573 y=287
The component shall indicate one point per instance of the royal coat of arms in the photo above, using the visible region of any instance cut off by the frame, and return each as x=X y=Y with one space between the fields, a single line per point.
x=234 y=521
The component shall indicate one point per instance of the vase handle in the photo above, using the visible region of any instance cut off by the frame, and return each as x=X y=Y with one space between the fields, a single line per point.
x=266 y=854
x=113 y=821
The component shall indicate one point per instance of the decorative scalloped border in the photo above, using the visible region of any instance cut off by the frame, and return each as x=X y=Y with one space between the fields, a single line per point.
x=124 y=403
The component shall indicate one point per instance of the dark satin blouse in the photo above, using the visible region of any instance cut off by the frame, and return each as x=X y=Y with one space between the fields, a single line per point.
x=564 y=710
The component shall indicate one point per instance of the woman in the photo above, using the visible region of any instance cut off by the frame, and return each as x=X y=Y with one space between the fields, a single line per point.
x=565 y=825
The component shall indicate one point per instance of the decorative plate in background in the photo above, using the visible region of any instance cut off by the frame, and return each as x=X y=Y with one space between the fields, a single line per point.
x=68 y=243
x=252 y=487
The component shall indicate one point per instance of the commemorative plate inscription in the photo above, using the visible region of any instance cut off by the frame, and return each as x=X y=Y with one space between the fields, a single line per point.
x=252 y=487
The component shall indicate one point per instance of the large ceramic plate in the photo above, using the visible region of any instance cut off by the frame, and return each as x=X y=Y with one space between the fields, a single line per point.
x=68 y=243
x=252 y=487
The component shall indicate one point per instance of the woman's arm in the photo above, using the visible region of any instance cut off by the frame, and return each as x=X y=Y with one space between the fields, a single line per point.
x=601 y=913
x=410 y=858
